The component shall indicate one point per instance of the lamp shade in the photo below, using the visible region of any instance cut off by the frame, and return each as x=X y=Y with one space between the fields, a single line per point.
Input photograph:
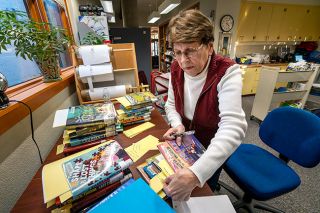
x=168 y=5
x=154 y=16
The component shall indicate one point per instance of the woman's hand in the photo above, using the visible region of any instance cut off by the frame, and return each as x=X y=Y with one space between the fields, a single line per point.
x=177 y=130
x=181 y=184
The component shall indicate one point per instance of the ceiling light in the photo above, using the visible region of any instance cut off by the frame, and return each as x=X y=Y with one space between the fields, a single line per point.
x=154 y=16
x=168 y=5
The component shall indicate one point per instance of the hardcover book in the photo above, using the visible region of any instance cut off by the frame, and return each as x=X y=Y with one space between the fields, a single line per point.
x=86 y=171
x=91 y=114
x=184 y=155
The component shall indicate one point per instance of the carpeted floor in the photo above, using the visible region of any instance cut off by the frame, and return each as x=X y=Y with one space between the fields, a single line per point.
x=304 y=199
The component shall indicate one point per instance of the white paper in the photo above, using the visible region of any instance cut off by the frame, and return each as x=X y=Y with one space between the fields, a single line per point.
x=107 y=6
x=94 y=54
x=113 y=91
x=99 y=73
x=216 y=204
x=60 y=118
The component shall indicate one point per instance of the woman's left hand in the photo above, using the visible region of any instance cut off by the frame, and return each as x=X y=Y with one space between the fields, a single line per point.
x=181 y=184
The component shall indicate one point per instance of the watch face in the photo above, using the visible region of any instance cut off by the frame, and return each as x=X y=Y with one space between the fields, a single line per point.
x=226 y=23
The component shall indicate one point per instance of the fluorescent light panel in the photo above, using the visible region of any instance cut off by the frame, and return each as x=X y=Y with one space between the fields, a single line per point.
x=168 y=5
x=154 y=16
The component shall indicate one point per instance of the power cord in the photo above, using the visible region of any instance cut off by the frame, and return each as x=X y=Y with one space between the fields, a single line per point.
x=32 y=129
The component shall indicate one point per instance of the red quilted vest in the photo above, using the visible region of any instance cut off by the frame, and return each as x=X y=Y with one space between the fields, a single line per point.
x=206 y=116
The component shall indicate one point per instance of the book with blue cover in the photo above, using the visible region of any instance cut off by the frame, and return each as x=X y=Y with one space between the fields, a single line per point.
x=136 y=198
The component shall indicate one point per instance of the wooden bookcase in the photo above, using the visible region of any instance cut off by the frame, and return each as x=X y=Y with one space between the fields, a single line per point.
x=266 y=99
x=125 y=70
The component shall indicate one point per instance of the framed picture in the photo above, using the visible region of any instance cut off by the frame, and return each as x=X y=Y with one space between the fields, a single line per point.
x=224 y=45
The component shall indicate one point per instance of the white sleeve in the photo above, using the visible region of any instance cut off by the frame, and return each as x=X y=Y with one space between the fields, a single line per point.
x=232 y=126
x=172 y=115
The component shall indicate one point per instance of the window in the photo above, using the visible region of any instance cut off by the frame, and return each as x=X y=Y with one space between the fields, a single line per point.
x=16 y=69
x=53 y=11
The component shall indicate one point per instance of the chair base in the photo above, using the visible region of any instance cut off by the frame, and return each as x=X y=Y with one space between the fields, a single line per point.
x=246 y=202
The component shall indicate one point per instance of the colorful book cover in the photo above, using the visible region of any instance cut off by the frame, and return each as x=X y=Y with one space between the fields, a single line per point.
x=190 y=149
x=88 y=170
x=91 y=113
x=140 y=98
x=137 y=197
x=87 y=130
x=172 y=157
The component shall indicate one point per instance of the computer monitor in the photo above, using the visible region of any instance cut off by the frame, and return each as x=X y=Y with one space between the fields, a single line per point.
x=298 y=58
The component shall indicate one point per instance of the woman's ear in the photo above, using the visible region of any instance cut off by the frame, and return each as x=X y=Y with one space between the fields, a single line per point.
x=210 y=46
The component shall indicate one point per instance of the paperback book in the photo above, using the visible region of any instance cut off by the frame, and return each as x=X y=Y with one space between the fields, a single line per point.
x=90 y=114
x=184 y=155
x=86 y=171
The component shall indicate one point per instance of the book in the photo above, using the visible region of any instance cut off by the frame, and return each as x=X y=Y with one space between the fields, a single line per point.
x=184 y=155
x=54 y=181
x=90 y=115
x=88 y=170
x=86 y=130
x=137 y=100
x=68 y=150
x=137 y=197
x=150 y=164
x=89 y=138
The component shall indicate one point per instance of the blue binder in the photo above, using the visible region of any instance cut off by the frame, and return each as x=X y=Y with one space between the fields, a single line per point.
x=137 y=197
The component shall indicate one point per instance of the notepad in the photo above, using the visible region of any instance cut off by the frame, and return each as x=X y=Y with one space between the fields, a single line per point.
x=130 y=133
x=156 y=183
x=136 y=198
x=138 y=149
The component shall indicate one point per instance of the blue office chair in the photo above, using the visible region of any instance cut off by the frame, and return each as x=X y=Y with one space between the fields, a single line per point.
x=295 y=134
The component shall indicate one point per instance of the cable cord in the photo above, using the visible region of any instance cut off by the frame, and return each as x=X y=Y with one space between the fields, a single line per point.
x=32 y=129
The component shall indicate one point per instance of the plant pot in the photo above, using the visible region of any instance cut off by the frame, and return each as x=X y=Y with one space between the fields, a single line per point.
x=50 y=69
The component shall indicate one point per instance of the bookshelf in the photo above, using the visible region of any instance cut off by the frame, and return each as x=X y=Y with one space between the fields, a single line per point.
x=165 y=50
x=125 y=70
x=267 y=98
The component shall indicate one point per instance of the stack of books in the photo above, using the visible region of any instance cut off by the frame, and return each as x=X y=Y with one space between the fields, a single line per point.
x=87 y=126
x=84 y=178
x=135 y=108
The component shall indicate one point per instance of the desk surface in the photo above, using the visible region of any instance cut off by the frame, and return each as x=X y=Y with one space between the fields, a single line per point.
x=32 y=198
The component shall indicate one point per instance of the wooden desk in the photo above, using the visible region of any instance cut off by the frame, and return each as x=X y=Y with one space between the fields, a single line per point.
x=32 y=198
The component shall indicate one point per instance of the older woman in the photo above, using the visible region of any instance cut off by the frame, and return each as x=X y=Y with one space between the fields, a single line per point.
x=205 y=96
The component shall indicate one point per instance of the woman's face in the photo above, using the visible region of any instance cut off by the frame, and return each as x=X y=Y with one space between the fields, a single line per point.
x=192 y=57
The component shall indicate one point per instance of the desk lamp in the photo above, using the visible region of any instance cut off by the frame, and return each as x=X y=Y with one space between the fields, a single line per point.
x=4 y=100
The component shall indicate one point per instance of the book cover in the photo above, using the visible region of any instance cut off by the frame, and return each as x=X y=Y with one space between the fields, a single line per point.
x=137 y=197
x=68 y=150
x=190 y=149
x=184 y=155
x=87 y=130
x=86 y=171
x=98 y=113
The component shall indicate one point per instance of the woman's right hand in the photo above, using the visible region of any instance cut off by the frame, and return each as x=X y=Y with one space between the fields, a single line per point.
x=169 y=135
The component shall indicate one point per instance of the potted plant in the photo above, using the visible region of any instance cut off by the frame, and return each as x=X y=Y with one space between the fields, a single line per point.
x=38 y=41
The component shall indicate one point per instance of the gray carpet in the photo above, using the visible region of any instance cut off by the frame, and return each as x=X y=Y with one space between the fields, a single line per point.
x=304 y=199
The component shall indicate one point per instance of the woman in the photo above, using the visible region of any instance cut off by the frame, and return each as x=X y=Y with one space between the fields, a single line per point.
x=205 y=96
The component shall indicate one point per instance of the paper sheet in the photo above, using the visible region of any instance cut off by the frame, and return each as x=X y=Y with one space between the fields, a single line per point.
x=124 y=101
x=216 y=204
x=94 y=54
x=130 y=133
x=138 y=149
x=60 y=118
x=156 y=183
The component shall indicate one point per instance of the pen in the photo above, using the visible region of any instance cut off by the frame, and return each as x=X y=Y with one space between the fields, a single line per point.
x=191 y=132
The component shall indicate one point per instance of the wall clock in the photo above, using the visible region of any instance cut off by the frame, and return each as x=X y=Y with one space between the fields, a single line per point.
x=226 y=23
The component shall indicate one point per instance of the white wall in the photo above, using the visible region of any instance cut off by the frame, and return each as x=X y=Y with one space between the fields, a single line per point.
x=20 y=161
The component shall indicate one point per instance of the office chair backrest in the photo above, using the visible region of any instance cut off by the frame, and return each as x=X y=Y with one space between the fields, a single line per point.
x=295 y=133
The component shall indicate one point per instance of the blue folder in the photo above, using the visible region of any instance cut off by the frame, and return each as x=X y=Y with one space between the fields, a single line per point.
x=136 y=197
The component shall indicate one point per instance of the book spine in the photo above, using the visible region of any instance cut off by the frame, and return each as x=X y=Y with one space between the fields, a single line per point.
x=84 y=125
x=90 y=138
x=68 y=150
x=96 y=196
x=79 y=132
x=136 y=122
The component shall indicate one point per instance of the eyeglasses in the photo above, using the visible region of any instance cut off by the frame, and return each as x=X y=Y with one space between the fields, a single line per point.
x=188 y=53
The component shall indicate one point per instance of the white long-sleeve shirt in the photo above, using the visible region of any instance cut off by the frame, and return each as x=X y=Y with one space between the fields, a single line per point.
x=232 y=125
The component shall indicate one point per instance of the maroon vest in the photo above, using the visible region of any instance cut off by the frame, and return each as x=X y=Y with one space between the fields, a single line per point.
x=206 y=115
